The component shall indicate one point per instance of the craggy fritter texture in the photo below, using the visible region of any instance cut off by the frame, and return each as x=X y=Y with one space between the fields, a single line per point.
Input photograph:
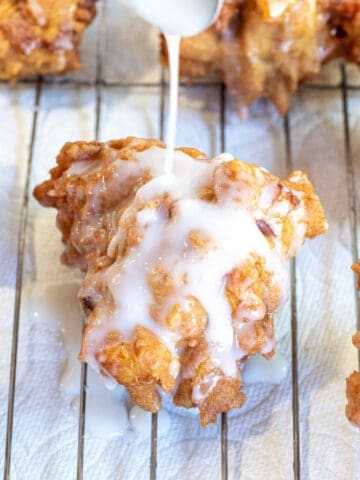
x=353 y=396
x=92 y=196
x=356 y=268
x=41 y=37
x=352 y=409
x=353 y=381
x=261 y=52
x=356 y=340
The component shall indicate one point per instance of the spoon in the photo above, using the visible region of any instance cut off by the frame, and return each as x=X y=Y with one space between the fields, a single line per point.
x=183 y=18
x=176 y=19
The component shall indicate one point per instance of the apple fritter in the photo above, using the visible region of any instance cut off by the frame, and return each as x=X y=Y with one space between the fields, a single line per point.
x=183 y=274
x=41 y=37
x=266 y=48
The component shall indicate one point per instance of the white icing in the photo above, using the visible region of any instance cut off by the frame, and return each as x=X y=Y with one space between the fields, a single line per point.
x=259 y=370
x=182 y=183
x=106 y=414
x=178 y=17
x=38 y=12
x=222 y=158
x=278 y=7
x=233 y=235
x=140 y=421
x=83 y=167
x=173 y=45
x=201 y=390
x=57 y=305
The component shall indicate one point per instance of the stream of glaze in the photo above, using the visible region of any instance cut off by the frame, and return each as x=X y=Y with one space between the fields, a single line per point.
x=173 y=46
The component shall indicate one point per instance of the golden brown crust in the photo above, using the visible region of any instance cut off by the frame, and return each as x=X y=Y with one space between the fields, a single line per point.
x=356 y=268
x=345 y=24
x=316 y=222
x=225 y=396
x=352 y=409
x=143 y=360
x=356 y=340
x=56 y=194
x=261 y=54
x=41 y=37
x=229 y=10
x=145 y=395
x=353 y=381
x=90 y=194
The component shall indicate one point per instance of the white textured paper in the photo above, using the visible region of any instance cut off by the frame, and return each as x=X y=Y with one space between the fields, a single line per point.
x=260 y=434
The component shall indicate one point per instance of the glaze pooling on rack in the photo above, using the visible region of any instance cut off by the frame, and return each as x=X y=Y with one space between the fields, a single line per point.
x=57 y=305
x=257 y=369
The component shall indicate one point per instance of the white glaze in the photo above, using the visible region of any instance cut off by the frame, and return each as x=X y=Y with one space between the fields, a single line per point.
x=201 y=390
x=140 y=421
x=231 y=230
x=83 y=167
x=259 y=370
x=173 y=46
x=106 y=414
x=178 y=17
x=57 y=306
x=278 y=7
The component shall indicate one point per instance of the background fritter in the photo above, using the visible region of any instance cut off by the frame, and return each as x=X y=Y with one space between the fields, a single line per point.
x=260 y=52
x=41 y=36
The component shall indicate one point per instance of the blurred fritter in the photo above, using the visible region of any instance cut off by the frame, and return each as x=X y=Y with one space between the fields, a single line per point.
x=352 y=409
x=41 y=37
x=265 y=48
x=353 y=390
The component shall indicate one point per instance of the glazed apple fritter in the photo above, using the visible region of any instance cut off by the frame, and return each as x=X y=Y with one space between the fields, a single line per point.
x=265 y=48
x=182 y=276
x=41 y=37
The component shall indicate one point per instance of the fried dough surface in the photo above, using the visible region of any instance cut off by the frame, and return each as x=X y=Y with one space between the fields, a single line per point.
x=353 y=396
x=41 y=37
x=149 y=326
x=356 y=269
x=266 y=48
x=352 y=409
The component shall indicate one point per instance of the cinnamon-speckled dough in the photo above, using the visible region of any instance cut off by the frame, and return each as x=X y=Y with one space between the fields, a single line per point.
x=41 y=37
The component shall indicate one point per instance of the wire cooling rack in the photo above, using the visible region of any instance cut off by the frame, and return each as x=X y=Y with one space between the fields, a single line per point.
x=341 y=88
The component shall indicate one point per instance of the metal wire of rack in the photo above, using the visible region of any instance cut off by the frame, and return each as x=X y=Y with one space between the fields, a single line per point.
x=98 y=85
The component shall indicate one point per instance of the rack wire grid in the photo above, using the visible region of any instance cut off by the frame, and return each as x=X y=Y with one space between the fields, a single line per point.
x=310 y=130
